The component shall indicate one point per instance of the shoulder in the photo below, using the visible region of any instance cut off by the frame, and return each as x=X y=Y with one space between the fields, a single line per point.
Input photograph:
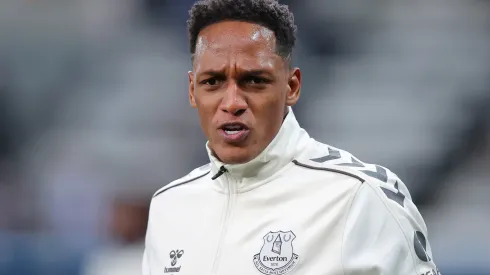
x=323 y=157
x=194 y=175
x=381 y=185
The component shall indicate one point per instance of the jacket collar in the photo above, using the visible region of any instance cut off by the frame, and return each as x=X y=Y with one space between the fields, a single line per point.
x=289 y=142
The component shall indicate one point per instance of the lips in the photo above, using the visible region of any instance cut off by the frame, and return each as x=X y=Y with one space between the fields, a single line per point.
x=234 y=132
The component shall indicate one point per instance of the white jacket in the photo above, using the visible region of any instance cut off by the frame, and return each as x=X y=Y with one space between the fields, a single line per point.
x=300 y=207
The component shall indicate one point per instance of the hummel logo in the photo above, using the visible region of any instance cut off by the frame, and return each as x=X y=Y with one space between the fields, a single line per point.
x=174 y=256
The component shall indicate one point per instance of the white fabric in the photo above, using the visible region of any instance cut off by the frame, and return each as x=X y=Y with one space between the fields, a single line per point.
x=283 y=213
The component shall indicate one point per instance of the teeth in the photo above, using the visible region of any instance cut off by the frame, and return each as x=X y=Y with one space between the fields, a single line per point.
x=228 y=132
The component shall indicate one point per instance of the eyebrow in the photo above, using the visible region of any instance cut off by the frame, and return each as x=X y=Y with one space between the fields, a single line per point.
x=213 y=73
x=256 y=72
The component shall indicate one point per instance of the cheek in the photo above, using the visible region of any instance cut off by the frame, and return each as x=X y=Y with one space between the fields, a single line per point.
x=274 y=106
x=207 y=102
x=208 y=119
x=270 y=115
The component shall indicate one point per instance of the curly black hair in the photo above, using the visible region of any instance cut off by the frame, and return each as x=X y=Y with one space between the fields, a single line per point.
x=267 y=13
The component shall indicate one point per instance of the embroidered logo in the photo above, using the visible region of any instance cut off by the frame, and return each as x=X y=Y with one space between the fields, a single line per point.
x=276 y=256
x=174 y=256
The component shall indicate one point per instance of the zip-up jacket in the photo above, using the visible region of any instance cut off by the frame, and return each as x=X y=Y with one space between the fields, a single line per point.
x=300 y=207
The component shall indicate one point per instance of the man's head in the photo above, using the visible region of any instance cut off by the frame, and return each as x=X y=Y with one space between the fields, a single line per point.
x=242 y=80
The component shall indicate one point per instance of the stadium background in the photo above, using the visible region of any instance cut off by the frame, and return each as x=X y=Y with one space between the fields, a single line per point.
x=94 y=118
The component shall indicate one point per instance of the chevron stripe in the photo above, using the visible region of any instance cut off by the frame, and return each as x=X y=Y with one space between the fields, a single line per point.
x=379 y=174
x=332 y=154
x=397 y=196
x=354 y=163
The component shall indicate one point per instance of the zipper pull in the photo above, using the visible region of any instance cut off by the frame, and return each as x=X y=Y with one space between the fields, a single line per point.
x=221 y=171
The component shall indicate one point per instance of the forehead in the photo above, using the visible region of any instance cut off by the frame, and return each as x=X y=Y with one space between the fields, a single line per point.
x=238 y=42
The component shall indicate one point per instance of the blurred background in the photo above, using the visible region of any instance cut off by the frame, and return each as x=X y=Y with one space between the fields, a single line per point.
x=94 y=118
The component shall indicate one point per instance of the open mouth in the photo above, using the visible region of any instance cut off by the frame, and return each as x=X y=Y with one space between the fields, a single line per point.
x=233 y=128
x=234 y=132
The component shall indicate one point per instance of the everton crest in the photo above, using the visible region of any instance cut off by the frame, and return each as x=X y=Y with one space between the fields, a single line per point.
x=276 y=256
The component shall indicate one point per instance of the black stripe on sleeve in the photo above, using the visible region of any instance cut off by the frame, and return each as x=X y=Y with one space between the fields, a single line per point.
x=179 y=184
x=329 y=170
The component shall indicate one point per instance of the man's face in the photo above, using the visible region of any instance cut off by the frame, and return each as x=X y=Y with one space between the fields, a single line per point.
x=241 y=88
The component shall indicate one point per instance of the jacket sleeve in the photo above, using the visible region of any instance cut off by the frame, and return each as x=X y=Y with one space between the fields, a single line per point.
x=145 y=265
x=385 y=234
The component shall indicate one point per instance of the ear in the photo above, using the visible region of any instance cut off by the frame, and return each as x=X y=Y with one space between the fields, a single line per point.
x=294 y=84
x=192 y=98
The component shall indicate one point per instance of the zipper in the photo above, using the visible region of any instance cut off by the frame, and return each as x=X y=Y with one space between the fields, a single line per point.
x=221 y=171
x=230 y=203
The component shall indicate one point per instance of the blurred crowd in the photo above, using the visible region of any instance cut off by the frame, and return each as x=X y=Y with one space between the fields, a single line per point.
x=94 y=118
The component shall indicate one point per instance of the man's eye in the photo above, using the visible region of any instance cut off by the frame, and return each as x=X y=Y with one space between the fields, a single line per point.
x=212 y=82
x=256 y=80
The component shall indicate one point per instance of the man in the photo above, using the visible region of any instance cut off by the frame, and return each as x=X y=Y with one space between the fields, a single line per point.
x=273 y=200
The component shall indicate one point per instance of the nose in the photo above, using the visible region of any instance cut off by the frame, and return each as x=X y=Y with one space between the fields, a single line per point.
x=233 y=101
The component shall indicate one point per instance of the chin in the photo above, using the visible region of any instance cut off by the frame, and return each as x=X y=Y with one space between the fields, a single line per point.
x=235 y=155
